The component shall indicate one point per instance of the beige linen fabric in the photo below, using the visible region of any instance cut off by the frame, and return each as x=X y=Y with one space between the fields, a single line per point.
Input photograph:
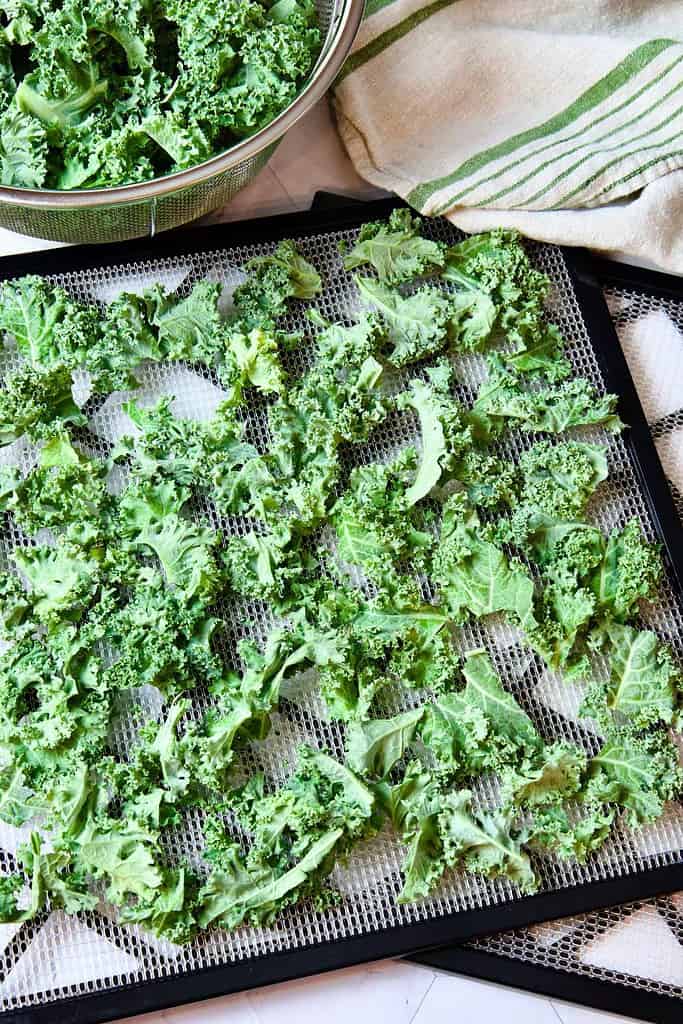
x=564 y=120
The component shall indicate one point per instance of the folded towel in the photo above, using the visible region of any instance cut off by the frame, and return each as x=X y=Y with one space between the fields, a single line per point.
x=564 y=120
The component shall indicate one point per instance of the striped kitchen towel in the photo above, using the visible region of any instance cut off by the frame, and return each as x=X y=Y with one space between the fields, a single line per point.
x=562 y=119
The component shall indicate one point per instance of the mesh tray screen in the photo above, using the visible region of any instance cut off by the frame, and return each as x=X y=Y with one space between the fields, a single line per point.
x=56 y=956
x=640 y=944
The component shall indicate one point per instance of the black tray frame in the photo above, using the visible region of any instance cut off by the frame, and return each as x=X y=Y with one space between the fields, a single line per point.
x=145 y=996
x=590 y=275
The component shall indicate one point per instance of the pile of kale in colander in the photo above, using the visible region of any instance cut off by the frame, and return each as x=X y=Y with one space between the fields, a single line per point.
x=107 y=92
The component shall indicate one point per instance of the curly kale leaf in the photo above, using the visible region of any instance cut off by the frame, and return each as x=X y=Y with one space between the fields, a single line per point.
x=373 y=521
x=24 y=149
x=170 y=913
x=639 y=773
x=559 y=478
x=550 y=775
x=65 y=492
x=287 y=652
x=485 y=843
x=496 y=268
x=181 y=652
x=296 y=835
x=49 y=327
x=54 y=876
x=234 y=893
x=416 y=645
x=474 y=575
x=378 y=645
x=56 y=708
x=571 y=837
x=189 y=328
x=395 y=249
x=630 y=571
x=503 y=401
x=339 y=399
x=16 y=806
x=62 y=581
x=376 y=746
x=417 y=325
x=479 y=728
x=559 y=628
x=444 y=433
x=414 y=805
x=268 y=566
x=644 y=681
x=38 y=403
x=272 y=281
x=251 y=358
x=122 y=854
x=150 y=518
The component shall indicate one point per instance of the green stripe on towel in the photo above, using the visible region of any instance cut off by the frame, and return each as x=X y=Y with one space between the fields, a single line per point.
x=628 y=68
x=392 y=35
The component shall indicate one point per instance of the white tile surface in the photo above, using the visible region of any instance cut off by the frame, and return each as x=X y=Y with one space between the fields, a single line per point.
x=451 y=999
x=388 y=991
x=385 y=993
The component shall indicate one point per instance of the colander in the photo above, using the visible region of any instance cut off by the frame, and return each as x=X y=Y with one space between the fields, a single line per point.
x=146 y=208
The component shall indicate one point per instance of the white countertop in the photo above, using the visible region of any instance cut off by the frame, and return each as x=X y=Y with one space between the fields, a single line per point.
x=310 y=159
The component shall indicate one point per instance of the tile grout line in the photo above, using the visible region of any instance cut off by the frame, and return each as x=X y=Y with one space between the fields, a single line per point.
x=556 y=1011
x=282 y=184
x=420 y=1004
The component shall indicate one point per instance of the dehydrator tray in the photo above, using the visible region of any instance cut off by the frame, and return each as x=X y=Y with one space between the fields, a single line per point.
x=626 y=959
x=89 y=969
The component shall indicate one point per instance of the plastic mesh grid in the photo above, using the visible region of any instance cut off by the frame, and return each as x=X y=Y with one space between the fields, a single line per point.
x=57 y=957
x=640 y=944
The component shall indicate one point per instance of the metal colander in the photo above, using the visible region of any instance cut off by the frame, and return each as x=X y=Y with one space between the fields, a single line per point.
x=146 y=208
x=91 y=965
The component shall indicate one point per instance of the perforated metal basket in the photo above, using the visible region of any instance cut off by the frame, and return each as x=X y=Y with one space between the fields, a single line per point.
x=146 y=208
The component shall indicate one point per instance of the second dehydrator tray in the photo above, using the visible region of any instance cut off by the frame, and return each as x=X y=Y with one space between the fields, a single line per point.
x=89 y=968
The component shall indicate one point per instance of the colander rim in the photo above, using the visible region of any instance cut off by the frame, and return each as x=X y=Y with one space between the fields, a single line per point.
x=340 y=39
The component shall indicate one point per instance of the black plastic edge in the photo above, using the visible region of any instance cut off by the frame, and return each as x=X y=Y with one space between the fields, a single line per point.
x=598 y=994
x=586 y=276
x=186 y=241
x=143 y=997
x=625 y=275
x=268 y=969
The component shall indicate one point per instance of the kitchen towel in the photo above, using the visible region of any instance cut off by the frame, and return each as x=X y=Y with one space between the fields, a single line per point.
x=561 y=119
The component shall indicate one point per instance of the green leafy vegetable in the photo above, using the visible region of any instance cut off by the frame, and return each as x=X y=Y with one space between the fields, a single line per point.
x=504 y=401
x=639 y=773
x=485 y=843
x=479 y=728
x=374 y=747
x=475 y=575
x=114 y=93
x=644 y=680
x=416 y=325
x=129 y=695
x=395 y=249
